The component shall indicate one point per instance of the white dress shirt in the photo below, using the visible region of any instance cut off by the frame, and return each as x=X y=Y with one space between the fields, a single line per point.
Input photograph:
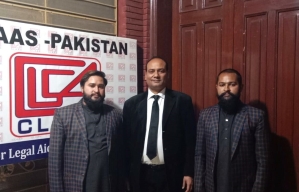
x=159 y=159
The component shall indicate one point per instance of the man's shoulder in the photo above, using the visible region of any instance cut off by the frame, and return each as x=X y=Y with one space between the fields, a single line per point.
x=136 y=98
x=70 y=107
x=111 y=109
x=252 y=110
x=210 y=109
x=177 y=94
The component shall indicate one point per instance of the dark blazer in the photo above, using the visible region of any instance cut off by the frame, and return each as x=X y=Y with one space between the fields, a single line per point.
x=249 y=152
x=68 y=154
x=178 y=125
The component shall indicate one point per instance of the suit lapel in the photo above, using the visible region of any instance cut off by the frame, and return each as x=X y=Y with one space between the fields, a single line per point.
x=168 y=105
x=81 y=121
x=142 y=113
x=238 y=125
x=108 y=126
x=215 y=127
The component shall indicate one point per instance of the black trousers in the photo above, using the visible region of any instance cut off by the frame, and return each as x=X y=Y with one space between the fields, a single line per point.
x=153 y=178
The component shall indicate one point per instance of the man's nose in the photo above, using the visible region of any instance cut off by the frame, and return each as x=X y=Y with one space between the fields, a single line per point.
x=156 y=74
x=96 y=89
x=226 y=87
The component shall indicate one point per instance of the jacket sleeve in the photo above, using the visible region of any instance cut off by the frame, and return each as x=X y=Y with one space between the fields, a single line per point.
x=200 y=156
x=190 y=132
x=56 y=150
x=262 y=155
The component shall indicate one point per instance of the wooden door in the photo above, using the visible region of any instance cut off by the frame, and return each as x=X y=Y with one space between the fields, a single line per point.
x=259 y=38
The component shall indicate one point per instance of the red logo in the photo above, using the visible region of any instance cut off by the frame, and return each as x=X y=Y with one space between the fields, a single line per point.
x=109 y=77
x=133 y=67
x=133 y=78
x=109 y=66
x=121 y=78
x=121 y=89
x=35 y=81
x=109 y=89
x=133 y=89
x=109 y=55
x=133 y=56
x=121 y=56
x=121 y=66
x=132 y=44
x=121 y=100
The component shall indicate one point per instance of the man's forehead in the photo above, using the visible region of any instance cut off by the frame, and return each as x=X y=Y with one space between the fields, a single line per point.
x=228 y=77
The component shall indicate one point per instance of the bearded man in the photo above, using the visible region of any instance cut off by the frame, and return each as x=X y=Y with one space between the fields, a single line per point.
x=86 y=142
x=232 y=145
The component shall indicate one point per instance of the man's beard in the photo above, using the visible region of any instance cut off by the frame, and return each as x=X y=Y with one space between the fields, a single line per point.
x=93 y=105
x=231 y=105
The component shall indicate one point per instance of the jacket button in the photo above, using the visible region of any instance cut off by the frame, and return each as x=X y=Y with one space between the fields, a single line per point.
x=212 y=170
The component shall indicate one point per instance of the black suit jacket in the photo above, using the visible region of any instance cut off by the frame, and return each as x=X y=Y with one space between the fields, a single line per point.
x=179 y=129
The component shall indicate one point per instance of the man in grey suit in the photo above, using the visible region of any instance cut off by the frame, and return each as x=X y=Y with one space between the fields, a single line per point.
x=86 y=142
x=232 y=145
x=160 y=135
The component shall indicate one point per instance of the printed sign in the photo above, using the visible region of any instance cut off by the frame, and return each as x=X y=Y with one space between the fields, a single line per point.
x=41 y=68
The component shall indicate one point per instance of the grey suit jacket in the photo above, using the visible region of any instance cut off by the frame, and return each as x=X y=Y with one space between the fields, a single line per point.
x=249 y=151
x=68 y=153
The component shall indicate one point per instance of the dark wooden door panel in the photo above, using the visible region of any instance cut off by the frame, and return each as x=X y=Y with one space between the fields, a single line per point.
x=261 y=40
x=189 y=57
x=207 y=49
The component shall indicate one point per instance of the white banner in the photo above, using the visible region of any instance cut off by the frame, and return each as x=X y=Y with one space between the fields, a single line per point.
x=40 y=70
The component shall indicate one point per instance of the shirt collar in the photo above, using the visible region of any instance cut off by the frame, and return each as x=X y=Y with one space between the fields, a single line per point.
x=161 y=94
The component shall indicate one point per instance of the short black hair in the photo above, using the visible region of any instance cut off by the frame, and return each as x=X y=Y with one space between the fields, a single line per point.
x=230 y=70
x=157 y=57
x=93 y=73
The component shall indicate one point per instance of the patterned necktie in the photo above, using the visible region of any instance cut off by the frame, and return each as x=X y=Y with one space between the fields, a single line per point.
x=151 y=151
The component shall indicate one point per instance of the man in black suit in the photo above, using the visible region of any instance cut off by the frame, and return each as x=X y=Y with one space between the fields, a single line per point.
x=160 y=135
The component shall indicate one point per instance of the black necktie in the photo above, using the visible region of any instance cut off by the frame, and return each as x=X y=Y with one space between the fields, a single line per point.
x=151 y=151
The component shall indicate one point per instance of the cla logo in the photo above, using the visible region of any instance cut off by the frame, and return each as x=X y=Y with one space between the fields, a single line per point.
x=133 y=78
x=109 y=66
x=121 y=100
x=41 y=83
x=109 y=77
x=133 y=56
x=121 y=56
x=121 y=78
x=121 y=89
x=132 y=44
x=121 y=66
x=133 y=89
x=133 y=67
x=109 y=89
